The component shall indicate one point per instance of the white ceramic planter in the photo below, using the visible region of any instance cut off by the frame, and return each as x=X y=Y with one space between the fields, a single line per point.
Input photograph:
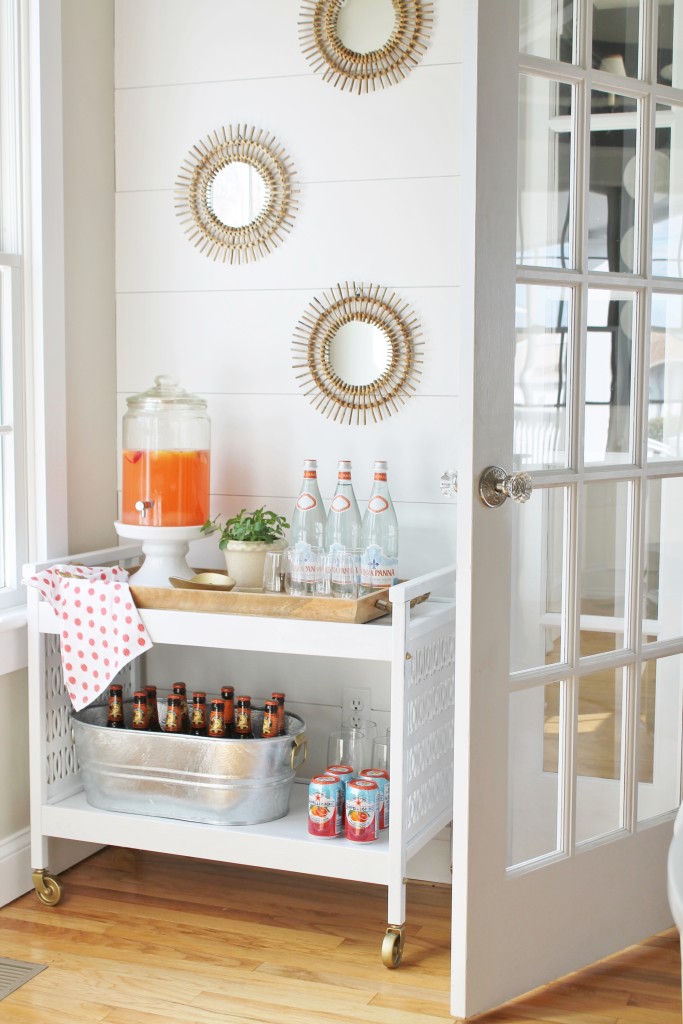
x=245 y=559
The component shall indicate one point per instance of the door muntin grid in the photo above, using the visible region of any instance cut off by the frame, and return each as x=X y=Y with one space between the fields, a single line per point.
x=611 y=688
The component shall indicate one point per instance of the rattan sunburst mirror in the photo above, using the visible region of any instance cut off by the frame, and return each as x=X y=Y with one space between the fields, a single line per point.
x=363 y=44
x=236 y=194
x=357 y=350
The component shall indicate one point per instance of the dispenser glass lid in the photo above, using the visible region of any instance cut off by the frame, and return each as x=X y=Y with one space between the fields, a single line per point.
x=166 y=393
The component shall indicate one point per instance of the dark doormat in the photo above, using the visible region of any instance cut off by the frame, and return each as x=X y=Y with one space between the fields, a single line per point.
x=14 y=973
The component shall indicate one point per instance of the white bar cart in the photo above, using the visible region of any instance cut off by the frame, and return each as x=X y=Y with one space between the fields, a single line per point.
x=419 y=644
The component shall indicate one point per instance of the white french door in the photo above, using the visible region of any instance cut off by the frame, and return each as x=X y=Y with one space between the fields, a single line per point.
x=569 y=674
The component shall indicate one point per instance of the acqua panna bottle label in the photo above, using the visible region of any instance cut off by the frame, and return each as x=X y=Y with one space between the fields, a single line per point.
x=306 y=502
x=340 y=503
x=377 y=504
x=376 y=568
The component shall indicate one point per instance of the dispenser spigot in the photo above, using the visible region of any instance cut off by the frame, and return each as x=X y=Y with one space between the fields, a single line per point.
x=142 y=507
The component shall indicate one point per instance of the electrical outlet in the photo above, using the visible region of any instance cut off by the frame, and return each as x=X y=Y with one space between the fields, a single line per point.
x=355 y=704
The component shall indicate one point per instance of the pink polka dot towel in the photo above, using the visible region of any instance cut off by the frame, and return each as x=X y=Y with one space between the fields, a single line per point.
x=101 y=630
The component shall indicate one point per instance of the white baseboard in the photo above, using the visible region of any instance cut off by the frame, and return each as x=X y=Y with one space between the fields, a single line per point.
x=15 y=866
x=15 y=862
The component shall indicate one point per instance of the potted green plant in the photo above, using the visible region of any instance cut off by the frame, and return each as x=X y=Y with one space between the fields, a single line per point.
x=245 y=539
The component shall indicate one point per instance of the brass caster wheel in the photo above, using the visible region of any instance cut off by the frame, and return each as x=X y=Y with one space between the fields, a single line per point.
x=392 y=947
x=48 y=889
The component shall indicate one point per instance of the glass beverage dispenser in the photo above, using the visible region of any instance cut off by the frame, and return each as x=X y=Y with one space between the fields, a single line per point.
x=165 y=485
x=166 y=440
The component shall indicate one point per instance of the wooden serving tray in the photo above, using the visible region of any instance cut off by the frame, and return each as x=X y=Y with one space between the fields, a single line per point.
x=250 y=602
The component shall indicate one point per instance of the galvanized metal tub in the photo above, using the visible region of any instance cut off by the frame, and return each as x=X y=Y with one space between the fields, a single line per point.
x=194 y=778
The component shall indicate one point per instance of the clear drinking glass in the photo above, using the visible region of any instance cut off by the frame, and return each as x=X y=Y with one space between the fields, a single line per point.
x=370 y=730
x=380 y=753
x=322 y=586
x=275 y=571
x=343 y=576
x=305 y=570
x=347 y=746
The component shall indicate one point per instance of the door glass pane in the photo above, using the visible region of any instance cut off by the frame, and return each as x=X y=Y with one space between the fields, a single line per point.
x=663 y=559
x=665 y=410
x=546 y=28
x=598 y=753
x=611 y=201
x=667 y=229
x=537 y=634
x=609 y=357
x=670 y=43
x=534 y=752
x=616 y=31
x=541 y=357
x=659 y=737
x=603 y=566
x=544 y=214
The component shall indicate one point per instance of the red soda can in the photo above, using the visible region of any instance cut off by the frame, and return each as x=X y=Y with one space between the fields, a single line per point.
x=343 y=771
x=361 y=820
x=381 y=777
x=325 y=806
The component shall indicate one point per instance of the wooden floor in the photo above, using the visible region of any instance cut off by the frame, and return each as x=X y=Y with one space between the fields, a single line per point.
x=147 y=939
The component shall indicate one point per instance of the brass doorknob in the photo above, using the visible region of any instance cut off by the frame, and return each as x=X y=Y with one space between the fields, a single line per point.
x=495 y=486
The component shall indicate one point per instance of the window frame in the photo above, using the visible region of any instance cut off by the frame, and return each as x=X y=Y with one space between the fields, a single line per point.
x=13 y=453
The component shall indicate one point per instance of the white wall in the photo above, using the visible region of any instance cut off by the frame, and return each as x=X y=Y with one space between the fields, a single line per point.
x=379 y=203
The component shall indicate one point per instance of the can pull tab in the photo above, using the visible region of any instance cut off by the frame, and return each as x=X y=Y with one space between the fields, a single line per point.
x=142 y=507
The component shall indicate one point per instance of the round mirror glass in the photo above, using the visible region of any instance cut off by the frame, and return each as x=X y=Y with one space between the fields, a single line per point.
x=360 y=353
x=366 y=25
x=237 y=194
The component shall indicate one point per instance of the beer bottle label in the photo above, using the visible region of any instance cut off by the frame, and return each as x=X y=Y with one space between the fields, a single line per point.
x=216 y=723
x=139 y=716
x=115 y=710
x=173 y=720
x=198 y=717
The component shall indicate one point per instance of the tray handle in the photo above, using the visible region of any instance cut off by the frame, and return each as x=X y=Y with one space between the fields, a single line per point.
x=386 y=606
x=299 y=746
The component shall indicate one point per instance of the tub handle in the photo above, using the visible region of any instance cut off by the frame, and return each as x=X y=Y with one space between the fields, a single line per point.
x=299 y=745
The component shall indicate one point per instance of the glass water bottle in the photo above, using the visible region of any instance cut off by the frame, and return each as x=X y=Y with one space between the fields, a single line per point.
x=379 y=536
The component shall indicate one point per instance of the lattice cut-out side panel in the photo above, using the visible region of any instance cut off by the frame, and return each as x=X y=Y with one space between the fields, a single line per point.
x=429 y=721
x=61 y=761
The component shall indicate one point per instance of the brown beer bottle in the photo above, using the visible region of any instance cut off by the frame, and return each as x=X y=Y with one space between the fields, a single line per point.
x=280 y=698
x=217 y=719
x=228 y=696
x=243 y=730
x=198 y=715
x=271 y=720
x=115 y=707
x=152 y=709
x=181 y=691
x=140 y=712
x=174 y=714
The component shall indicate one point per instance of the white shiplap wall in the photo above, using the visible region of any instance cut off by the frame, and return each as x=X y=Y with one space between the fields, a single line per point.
x=379 y=202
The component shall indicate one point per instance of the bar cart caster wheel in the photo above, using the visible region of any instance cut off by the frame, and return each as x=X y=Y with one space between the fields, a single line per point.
x=392 y=946
x=48 y=889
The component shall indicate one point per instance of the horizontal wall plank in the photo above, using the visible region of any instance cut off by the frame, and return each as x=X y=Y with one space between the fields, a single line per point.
x=426 y=533
x=373 y=231
x=241 y=342
x=259 y=443
x=326 y=134
x=165 y=41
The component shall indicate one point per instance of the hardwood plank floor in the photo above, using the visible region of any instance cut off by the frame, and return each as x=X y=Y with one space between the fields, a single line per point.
x=142 y=938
